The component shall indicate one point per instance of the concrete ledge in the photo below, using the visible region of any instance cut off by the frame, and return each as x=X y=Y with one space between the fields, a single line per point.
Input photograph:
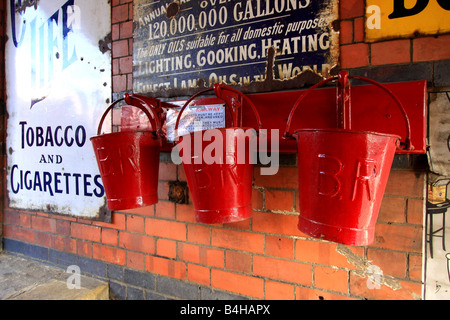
x=23 y=279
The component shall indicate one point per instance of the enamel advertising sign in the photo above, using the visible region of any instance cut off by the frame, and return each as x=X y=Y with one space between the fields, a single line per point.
x=193 y=44
x=58 y=85
x=386 y=19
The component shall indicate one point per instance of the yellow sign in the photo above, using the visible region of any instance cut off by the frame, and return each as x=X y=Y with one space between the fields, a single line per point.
x=386 y=19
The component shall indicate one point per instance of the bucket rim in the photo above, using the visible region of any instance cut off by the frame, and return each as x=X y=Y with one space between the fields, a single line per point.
x=222 y=129
x=125 y=133
x=336 y=130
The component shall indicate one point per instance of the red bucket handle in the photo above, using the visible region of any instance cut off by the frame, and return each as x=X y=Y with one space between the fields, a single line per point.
x=156 y=125
x=343 y=79
x=218 y=91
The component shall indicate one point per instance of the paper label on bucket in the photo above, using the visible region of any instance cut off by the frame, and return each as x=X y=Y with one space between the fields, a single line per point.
x=195 y=118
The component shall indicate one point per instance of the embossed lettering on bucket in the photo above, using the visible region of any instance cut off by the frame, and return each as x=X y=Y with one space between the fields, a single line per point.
x=343 y=173
x=221 y=192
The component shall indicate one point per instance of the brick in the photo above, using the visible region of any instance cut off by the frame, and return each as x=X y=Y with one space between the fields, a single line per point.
x=346 y=32
x=120 y=48
x=108 y=254
x=126 y=65
x=358 y=29
x=167 y=171
x=117 y=291
x=119 y=83
x=43 y=224
x=42 y=239
x=199 y=274
x=166 y=248
x=163 y=190
x=137 y=242
x=286 y=178
x=64 y=244
x=397 y=73
x=165 y=229
x=279 y=247
x=131 y=11
x=130 y=49
x=12 y=218
x=109 y=236
x=165 y=209
x=392 y=210
x=354 y=55
x=278 y=291
x=185 y=212
x=405 y=183
x=392 y=263
x=242 y=225
x=431 y=48
x=84 y=248
x=143 y=211
x=24 y=220
x=115 y=272
x=129 y=82
x=398 y=237
x=238 y=283
x=415 y=267
x=93 y=266
x=331 y=279
x=119 y=13
x=305 y=293
x=257 y=199
x=238 y=261
x=135 y=293
x=139 y=279
x=351 y=9
x=181 y=173
x=126 y=30
x=278 y=200
x=278 y=269
x=57 y=257
x=239 y=240
x=166 y=267
x=415 y=211
x=13 y=245
x=86 y=232
x=282 y=224
x=63 y=228
x=390 y=52
x=200 y=234
x=201 y=255
x=441 y=72
x=135 y=223
x=177 y=288
x=135 y=260
x=115 y=32
x=403 y=290
x=329 y=253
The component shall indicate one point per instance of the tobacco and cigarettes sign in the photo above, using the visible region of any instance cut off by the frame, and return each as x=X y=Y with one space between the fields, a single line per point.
x=58 y=85
x=189 y=44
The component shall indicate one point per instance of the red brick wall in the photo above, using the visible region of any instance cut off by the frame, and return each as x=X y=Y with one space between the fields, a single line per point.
x=264 y=257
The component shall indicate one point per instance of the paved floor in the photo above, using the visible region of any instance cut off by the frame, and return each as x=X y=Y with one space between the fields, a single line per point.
x=24 y=279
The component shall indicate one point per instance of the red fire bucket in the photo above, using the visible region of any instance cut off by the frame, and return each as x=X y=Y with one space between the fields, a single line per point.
x=129 y=163
x=343 y=173
x=221 y=190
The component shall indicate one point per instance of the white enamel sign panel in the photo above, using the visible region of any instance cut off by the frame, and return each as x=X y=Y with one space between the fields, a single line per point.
x=58 y=70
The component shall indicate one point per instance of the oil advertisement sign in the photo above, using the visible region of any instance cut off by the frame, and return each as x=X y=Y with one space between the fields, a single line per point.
x=58 y=85
x=387 y=19
x=192 y=44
